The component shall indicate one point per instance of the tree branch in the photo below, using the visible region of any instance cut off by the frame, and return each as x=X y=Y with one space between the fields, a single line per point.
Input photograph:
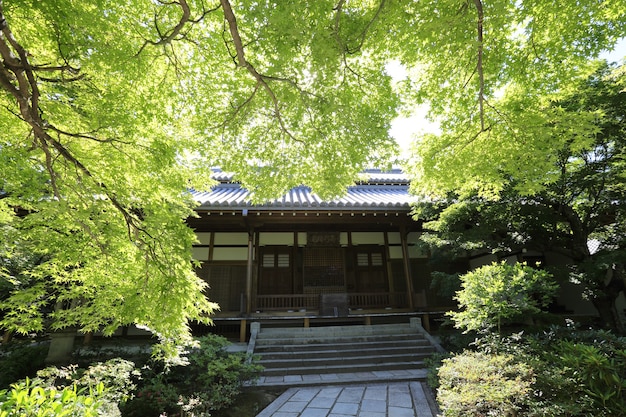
x=15 y=68
x=479 y=62
x=243 y=63
x=174 y=32
x=338 y=10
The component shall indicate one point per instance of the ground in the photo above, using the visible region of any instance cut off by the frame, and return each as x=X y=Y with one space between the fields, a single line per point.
x=250 y=402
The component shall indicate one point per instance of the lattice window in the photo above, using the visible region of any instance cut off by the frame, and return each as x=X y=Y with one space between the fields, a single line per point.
x=268 y=260
x=226 y=283
x=323 y=267
x=276 y=260
x=362 y=259
x=282 y=260
x=366 y=259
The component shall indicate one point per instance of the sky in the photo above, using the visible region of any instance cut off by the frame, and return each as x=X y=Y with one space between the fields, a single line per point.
x=403 y=129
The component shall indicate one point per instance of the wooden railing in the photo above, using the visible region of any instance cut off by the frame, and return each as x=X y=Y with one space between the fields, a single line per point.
x=287 y=302
x=378 y=300
x=284 y=302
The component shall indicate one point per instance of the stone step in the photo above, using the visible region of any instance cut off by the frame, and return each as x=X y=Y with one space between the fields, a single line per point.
x=342 y=352
x=329 y=351
x=333 y=331
x=344 y=361
x=307 y=380
x=281 y=345
x=344 y=368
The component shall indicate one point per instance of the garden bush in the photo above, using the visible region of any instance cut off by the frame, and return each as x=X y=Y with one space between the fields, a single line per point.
x=118 y=375
x=499 y=294
x=574 y=374
x=30 y=399
x=212 y=380
x=478 y=384
x=19 y=359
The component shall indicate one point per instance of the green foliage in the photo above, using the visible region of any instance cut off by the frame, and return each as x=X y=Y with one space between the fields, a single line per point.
x=116 y=375
x=478 y=384
x=575 y=373
x=582 y=198
x=433 y=363
x=154 y=398
x=446 y=284
x=211 y=380
x=600 y=373
x=111 y=111
x=497 y=294
x=221 y=372
x=19 y=360
x=28 y=399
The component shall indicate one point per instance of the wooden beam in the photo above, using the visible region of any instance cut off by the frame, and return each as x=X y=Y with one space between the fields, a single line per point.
x=407 y=267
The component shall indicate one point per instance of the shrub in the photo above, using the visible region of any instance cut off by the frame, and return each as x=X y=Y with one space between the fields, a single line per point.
x=211 y=380
x=432 y=364
x=499 y=293
x=576 y=373
x=600 y=373
x=155 y=397
x=478 y=384
x=29 y=399
x=19 y=360
x=117 y=375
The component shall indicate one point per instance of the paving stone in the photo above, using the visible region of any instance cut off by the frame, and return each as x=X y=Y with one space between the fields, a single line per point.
x=292 y=378
x=330 y=392
x=376 y=393
x=394 y=399
x=382 y=374
x=400 y=372
x=315 y=412
x=348 y=409
x=322 y=402
x=305 y=394
x=273 y=379
x=373 y=405
x=419 y=399
x=399 y=387
x=293 y=406
x=400 y=412
x=400 y=399
x=371 y=414
x=351 y=395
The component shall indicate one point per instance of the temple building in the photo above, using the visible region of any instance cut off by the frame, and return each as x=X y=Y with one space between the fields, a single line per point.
x=300 y=256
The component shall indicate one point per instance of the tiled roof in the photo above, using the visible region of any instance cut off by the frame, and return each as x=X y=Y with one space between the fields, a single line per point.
x=373 y=176
x=383 y=191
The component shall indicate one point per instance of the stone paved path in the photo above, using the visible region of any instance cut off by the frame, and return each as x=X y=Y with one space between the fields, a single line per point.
x=392 y=399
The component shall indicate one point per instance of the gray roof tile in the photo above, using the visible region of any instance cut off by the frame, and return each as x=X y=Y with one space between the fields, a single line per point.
x=379 y=193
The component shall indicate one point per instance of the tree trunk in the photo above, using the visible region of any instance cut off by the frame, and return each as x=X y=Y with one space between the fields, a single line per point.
x=605 y=303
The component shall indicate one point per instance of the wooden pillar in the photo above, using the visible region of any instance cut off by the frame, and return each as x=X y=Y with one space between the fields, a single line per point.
x=249 y=272
x=88 y=338
x=407 y=266
x=392 y=287
x=242 y=330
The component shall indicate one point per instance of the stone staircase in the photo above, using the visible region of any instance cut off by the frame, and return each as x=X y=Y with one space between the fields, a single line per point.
x=342 y=354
